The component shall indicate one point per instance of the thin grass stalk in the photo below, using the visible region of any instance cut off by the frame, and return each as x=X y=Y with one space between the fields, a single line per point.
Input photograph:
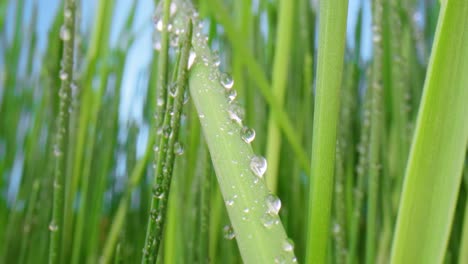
x=280 y=78
x=67 y=33
x=175 y=116
x=165 y=162
x=433 y=173
x=161 y=82
x=375 y=134
x=332 y=33
x=343 y=144
x=98 y=46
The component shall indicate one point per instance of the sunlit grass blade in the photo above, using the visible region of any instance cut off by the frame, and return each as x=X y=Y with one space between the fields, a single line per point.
x=252 y=211
x=433 y=173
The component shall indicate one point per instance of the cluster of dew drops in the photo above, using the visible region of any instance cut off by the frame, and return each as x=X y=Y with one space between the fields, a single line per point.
x=258 y=164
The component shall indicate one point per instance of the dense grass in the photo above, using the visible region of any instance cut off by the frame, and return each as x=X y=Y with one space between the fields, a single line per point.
x=115 y=148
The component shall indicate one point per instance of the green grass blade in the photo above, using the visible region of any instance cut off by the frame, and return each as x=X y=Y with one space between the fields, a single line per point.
x=332 y=29
x=280 y=78
x=463 y=257
x=231 y=158
x=434 y=168
x=245 y=194
x=67 y=33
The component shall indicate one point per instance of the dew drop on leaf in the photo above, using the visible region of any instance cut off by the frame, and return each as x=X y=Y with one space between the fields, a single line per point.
x=258 y=165
x=273 y=204
x=226 y=80
x=178 y=148
x=231 y=95
x=53 y=227
x=228 y=232
x=65 y=34
x=288 y=245
x=63 y=75
x=230 y=202
x=247 y=134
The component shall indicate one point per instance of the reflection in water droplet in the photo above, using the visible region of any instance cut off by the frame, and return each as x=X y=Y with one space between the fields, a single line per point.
x=247 y=134
x=173 y=89
x=231 y=95
x=226 y=80
x=273 y=204
x=236 y=113
x=258 y=165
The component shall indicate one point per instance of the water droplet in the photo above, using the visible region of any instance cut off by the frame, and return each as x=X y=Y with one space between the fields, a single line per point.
x=226 y=80
x=154 y=214
x=236 y=113
x=288 y=245
x=174 y=40
x=160 y=101
x=247 y=134
x=158 y=191
x=63 y=75
x=216 y=59
x=157 y=45
x=156 y=148
x=67 y=13
x=172 y=8
x=158 y=218
x=258 y=165
x=178 y=148
x=57 y=151
x=294 y=259
x=229 y=232
x=53 y=227
x=173 y=89
x=159 y=25
x=246 y=210
x=191 y=59
x=273 y=204
x=230 y=202
x=65 y=34
x=336 y=228
x=231 y=95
